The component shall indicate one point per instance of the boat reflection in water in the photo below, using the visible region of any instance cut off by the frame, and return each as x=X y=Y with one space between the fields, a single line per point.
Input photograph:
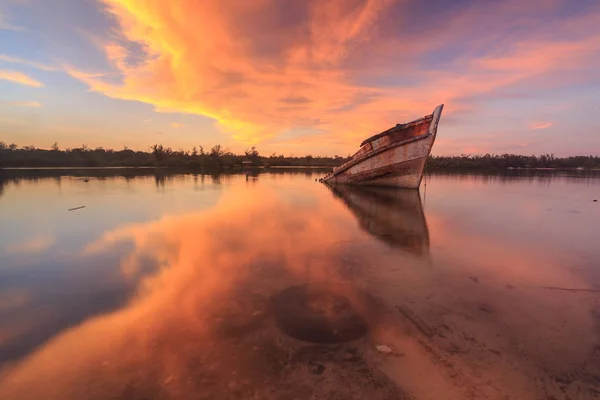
x=394 y=216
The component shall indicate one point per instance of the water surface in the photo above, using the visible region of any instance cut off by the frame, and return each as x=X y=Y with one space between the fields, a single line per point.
x=160 y=287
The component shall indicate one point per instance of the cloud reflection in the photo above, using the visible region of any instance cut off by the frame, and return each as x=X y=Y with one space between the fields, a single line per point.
x=217 y=272
x=199 y=325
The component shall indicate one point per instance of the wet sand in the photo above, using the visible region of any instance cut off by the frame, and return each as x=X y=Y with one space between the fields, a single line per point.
x=234 y=350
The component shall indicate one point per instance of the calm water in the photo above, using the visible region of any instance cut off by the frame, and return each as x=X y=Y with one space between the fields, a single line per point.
x=162 y=286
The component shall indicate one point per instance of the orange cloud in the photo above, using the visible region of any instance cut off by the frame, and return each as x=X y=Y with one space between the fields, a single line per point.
x=34 y=245
x=262 y=72
x=542 y=125
x=213 y=72
x=22 y=103
x=18 y=60
x=19 y=77
x=177 y=125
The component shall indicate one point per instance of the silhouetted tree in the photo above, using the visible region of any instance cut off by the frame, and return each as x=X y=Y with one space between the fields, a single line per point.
x=216 y=151
x=252 y=155
x=158 y=151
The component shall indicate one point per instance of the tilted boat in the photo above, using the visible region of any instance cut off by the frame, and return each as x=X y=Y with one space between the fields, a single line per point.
x=395 y=157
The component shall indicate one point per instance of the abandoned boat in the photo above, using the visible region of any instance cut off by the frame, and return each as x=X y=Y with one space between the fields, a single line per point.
x=395 y=157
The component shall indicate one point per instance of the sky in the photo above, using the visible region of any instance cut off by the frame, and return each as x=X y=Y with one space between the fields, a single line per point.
x=301 y=77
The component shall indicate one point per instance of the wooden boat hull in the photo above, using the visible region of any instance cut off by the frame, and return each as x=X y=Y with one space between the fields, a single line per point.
x=394 y=158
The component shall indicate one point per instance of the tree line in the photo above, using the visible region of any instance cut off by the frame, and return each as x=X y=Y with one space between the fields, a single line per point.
x=493 y=162
x=158 y=155
x=219 y=157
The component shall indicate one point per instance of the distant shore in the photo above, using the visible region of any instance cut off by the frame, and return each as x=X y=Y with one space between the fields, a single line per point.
x=315 y=167
x=219 y=158
x=71 y=168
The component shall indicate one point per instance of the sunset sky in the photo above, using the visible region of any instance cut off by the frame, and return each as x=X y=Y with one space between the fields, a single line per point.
x=299 y=77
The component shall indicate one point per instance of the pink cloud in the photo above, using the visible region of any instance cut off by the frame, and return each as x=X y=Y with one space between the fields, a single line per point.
x=541 y=125
x=19 y=77
x=260 y=72
x=22 y=103
x=17 y=60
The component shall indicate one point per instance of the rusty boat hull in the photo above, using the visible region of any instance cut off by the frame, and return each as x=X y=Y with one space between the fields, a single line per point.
x=394 y=158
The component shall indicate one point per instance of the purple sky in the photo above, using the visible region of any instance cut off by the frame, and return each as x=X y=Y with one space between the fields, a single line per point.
x=300 y=77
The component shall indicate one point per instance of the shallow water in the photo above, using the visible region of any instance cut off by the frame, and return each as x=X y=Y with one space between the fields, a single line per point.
x=160 y=287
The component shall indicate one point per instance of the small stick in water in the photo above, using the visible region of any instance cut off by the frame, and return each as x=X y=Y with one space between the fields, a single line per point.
x=76 y=208
x=571 y=289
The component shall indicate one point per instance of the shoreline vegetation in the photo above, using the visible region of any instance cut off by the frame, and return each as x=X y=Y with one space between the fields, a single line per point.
x=219 y=158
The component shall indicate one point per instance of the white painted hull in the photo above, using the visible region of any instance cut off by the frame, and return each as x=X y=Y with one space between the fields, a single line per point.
x=393 y=159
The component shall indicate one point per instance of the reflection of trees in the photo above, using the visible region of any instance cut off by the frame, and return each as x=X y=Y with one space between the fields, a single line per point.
x=58 y=181
x=159 y=181
x=515 y=176
x=15 y=177
x=162 y=177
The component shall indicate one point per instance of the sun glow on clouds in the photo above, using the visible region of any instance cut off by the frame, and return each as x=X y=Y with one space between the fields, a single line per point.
x=17 y=60
x=344 y=69
x=22 y=103
x=542 y=125
x=177 y=125
x=34 y=245
x=19 y=77
x=204 y=67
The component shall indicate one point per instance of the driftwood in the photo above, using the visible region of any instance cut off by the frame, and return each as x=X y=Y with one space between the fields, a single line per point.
x=571 y=289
